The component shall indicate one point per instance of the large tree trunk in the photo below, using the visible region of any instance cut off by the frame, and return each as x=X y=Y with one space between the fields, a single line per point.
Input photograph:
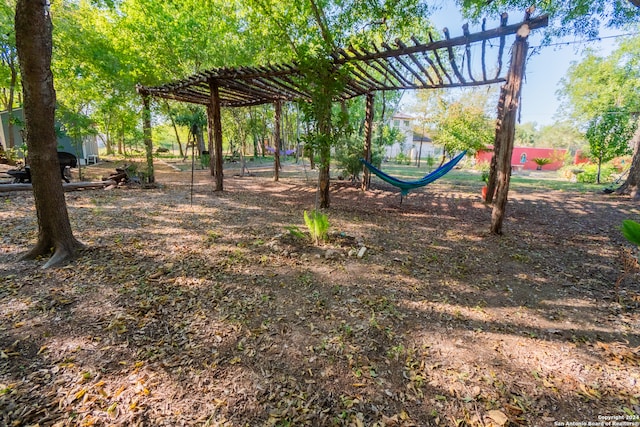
x=630 y=186
x=34 y=44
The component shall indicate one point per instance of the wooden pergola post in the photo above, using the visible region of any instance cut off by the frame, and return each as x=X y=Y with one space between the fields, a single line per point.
x=368 y=131
x=146 y=130
x=210 y=138
x=276 y=140
x=215 y=127
x=505 y=128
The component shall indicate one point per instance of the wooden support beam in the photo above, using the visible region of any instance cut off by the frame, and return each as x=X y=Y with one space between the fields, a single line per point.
x=276 y=140
x=215 y=122
x=505 y=129
x=368 y=132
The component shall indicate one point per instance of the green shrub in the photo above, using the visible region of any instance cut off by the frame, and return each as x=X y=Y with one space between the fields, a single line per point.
x=348 y=155
x=631 y=231
x=590 y=173
x=318 y=225
x=403 y=159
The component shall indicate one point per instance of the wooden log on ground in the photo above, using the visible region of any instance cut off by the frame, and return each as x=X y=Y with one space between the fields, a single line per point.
x=117 y=177
x=73 y=186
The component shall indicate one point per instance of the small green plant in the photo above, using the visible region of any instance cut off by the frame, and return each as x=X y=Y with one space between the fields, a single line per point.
x=631 y=231
x=318 y=225
x=295 y=231
x=541 y=161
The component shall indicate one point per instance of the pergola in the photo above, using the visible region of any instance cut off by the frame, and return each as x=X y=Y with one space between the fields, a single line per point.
x=447 y=63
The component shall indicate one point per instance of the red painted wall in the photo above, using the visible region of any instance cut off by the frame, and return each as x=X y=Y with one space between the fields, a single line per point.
x=529 y=153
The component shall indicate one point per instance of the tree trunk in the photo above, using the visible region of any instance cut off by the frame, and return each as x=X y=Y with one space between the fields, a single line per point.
x=505 y=132
x=34 y=44
x=630 y=186
x=121 y=149
x=323 y=176
x=175 y=130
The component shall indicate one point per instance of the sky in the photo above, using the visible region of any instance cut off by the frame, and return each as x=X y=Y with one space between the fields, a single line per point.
x=546 y=66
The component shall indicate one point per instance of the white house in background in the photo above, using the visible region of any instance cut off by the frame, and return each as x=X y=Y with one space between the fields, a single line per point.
x=412 y=144
x=87 y=151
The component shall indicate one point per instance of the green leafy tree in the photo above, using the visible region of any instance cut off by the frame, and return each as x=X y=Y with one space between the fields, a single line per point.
x=527 y=134
x=562 y=134
x=609 y=134
x=577 y=17
x=603 y=94
x=458 y=120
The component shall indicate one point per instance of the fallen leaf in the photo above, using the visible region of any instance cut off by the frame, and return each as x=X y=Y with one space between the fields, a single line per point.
x=498 y=416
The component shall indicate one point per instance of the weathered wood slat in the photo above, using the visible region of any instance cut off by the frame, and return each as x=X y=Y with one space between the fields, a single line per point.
x=440 y=65
x=484 y=52
x=467 y=50
x=452 y=59
x=418 y=64
x=503 y=23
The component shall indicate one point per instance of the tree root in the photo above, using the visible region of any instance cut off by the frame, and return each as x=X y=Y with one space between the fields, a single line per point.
x=61 y=252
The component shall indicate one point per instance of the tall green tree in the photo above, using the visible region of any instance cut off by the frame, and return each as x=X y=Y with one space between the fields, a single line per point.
x=458 y=120
x=563 y=134
x=34 y=45
x=527 y=134
x=603 y=94
x=609 y=134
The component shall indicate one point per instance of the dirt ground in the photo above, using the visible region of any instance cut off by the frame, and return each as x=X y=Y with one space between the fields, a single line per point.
x=191 y=307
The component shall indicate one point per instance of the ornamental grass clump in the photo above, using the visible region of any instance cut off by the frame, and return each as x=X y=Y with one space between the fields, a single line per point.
x=318 y=225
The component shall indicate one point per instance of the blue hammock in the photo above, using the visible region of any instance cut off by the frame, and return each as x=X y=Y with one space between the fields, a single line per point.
x=406 y=186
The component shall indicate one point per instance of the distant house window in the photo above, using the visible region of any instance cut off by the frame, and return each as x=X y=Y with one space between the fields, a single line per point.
x=523 y=158
x=406 y=123
x=396 y=123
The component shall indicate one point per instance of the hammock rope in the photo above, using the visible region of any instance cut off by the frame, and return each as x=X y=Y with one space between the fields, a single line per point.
x=406 y=186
